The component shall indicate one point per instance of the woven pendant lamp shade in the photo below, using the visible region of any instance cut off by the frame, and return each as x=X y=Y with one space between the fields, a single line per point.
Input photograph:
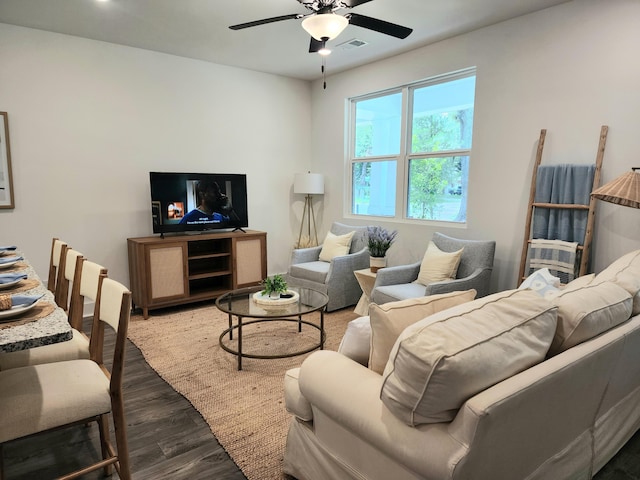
x=624 y=190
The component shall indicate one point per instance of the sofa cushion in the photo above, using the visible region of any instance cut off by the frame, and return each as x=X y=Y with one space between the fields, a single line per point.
x=356 y=339
x=313 y=271
x=437 y=265
x=439 y=362
x=586 y=312
x=625 y=272
x=335 y=246
x=389 y=320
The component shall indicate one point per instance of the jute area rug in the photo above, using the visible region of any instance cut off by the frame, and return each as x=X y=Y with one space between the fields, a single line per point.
x=245 y=409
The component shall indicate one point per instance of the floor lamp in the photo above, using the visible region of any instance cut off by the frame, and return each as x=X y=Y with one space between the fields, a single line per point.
x=308 y=184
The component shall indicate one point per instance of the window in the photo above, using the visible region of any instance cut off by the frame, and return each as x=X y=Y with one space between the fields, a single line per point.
x=409 y=150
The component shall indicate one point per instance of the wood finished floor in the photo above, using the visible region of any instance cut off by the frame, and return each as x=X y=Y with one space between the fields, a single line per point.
x=168 y=439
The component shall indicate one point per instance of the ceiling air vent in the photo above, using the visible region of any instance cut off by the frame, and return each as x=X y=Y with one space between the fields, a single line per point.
x=351 y=44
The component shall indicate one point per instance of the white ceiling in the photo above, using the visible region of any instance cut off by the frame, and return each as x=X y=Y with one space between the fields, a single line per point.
x=199 y=28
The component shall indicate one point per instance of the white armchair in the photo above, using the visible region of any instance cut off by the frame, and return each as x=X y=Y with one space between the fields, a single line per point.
x=335 y=278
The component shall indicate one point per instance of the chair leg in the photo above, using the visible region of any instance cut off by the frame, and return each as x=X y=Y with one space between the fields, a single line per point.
x=1 y=462
x=103 y=426
x=117 y=410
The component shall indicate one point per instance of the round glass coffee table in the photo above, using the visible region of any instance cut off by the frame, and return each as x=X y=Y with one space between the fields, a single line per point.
x=248 y=303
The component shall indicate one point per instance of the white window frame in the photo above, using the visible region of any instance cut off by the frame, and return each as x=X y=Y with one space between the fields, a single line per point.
x=404 y=155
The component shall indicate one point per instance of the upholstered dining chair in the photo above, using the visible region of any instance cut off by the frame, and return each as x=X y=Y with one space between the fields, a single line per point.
x=473 y=272
x=40 y=398
x=66 y=274
x=86 y=280
x=334 y=277
x=58 y=249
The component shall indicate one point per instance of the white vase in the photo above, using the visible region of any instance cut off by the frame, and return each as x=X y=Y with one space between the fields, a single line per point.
x=274 y=295
x=376 y=263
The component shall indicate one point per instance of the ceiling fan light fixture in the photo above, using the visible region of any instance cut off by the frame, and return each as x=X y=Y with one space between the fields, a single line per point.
x=325 y=25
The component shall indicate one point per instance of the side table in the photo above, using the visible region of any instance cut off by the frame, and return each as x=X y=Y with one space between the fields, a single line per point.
x=366 y=279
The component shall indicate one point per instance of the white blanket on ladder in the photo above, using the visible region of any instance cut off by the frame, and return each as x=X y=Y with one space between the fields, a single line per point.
x=556 y=255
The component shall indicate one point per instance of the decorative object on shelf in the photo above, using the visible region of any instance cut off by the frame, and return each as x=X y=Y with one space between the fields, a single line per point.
x=6 y=179
x=274 y=286
x=624 y=190
x=308 y=184
x=379 y=241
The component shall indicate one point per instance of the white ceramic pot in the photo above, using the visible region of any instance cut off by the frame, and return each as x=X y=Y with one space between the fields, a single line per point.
x=376 y=263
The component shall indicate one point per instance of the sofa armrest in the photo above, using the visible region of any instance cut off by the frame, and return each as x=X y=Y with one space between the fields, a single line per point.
x=349 y=394
x=397 y=275
x=294 y=401
x=304 y=255
x=343 y=266
x=478 y=280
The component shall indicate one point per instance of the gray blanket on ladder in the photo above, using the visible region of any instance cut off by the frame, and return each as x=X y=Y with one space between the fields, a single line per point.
x=564 y=183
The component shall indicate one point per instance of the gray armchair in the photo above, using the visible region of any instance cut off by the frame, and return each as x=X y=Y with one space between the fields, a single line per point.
x=474 y=271
x=334 y=278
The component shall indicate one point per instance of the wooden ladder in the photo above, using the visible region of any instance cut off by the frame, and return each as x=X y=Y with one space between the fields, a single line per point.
x=586 y=244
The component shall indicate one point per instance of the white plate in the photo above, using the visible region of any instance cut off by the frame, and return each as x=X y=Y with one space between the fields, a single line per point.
x=15 y=311
x=9 y=264
x=4 y=286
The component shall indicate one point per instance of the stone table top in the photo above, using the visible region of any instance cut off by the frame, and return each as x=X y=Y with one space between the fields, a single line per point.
x=47 y=330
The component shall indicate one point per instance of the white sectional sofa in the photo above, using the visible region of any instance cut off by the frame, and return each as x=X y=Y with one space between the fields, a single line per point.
x=473 y=392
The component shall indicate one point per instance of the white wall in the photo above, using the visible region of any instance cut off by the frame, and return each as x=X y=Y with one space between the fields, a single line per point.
x=88 y=120
x=569 y=69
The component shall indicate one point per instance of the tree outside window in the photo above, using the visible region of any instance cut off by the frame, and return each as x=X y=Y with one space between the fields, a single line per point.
x=434 y=152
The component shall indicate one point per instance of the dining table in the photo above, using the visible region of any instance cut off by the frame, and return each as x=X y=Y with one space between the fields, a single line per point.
x=43 y=322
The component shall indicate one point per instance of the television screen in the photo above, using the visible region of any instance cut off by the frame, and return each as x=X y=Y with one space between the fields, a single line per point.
x=182 y=202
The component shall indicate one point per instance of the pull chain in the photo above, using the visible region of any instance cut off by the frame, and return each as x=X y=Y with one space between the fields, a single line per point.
x=324 y=81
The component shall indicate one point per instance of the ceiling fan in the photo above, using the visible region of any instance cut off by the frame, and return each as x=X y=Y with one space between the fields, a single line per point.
x=324 y=24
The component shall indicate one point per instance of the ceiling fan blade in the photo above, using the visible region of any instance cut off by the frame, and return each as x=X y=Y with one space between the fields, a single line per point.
x=381 y=26
x=315 y=45
x=354 y=3
x=265 y=20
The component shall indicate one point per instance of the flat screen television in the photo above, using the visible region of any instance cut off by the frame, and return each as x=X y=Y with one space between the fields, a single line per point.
x=186 y=202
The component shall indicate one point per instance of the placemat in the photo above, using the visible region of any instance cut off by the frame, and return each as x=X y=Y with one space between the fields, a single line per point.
x=23 y=286
x=41 y=310
x=15 y=268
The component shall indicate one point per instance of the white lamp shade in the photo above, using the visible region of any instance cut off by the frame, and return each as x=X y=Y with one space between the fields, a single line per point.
x=325 y=25
x=309 y=183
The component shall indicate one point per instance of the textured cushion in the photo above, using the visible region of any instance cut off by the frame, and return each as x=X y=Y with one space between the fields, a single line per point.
x=442 y=360
x=438 y=265
x=335 y=246
x=313 y=271
x=74 y=349
x=389 y=320
x=402 y=291
x=356 y=339
x=588 y=311
x=50 y=395
x=625 y=272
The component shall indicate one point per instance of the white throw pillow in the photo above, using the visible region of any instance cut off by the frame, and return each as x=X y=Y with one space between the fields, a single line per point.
x=440 y=362
x=625 y=272
x=356 y=339
x=437 y=265
x=389 y=320
x=586 y=312
x=335 y=246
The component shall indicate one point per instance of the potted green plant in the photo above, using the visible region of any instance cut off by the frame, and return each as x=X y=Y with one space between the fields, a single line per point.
x=274 y=286
x=379 y=241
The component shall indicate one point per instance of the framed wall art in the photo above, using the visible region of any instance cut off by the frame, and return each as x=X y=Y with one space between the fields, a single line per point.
x=6 y=180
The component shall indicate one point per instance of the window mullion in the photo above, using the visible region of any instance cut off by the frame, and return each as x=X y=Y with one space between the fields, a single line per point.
x=402 y=184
